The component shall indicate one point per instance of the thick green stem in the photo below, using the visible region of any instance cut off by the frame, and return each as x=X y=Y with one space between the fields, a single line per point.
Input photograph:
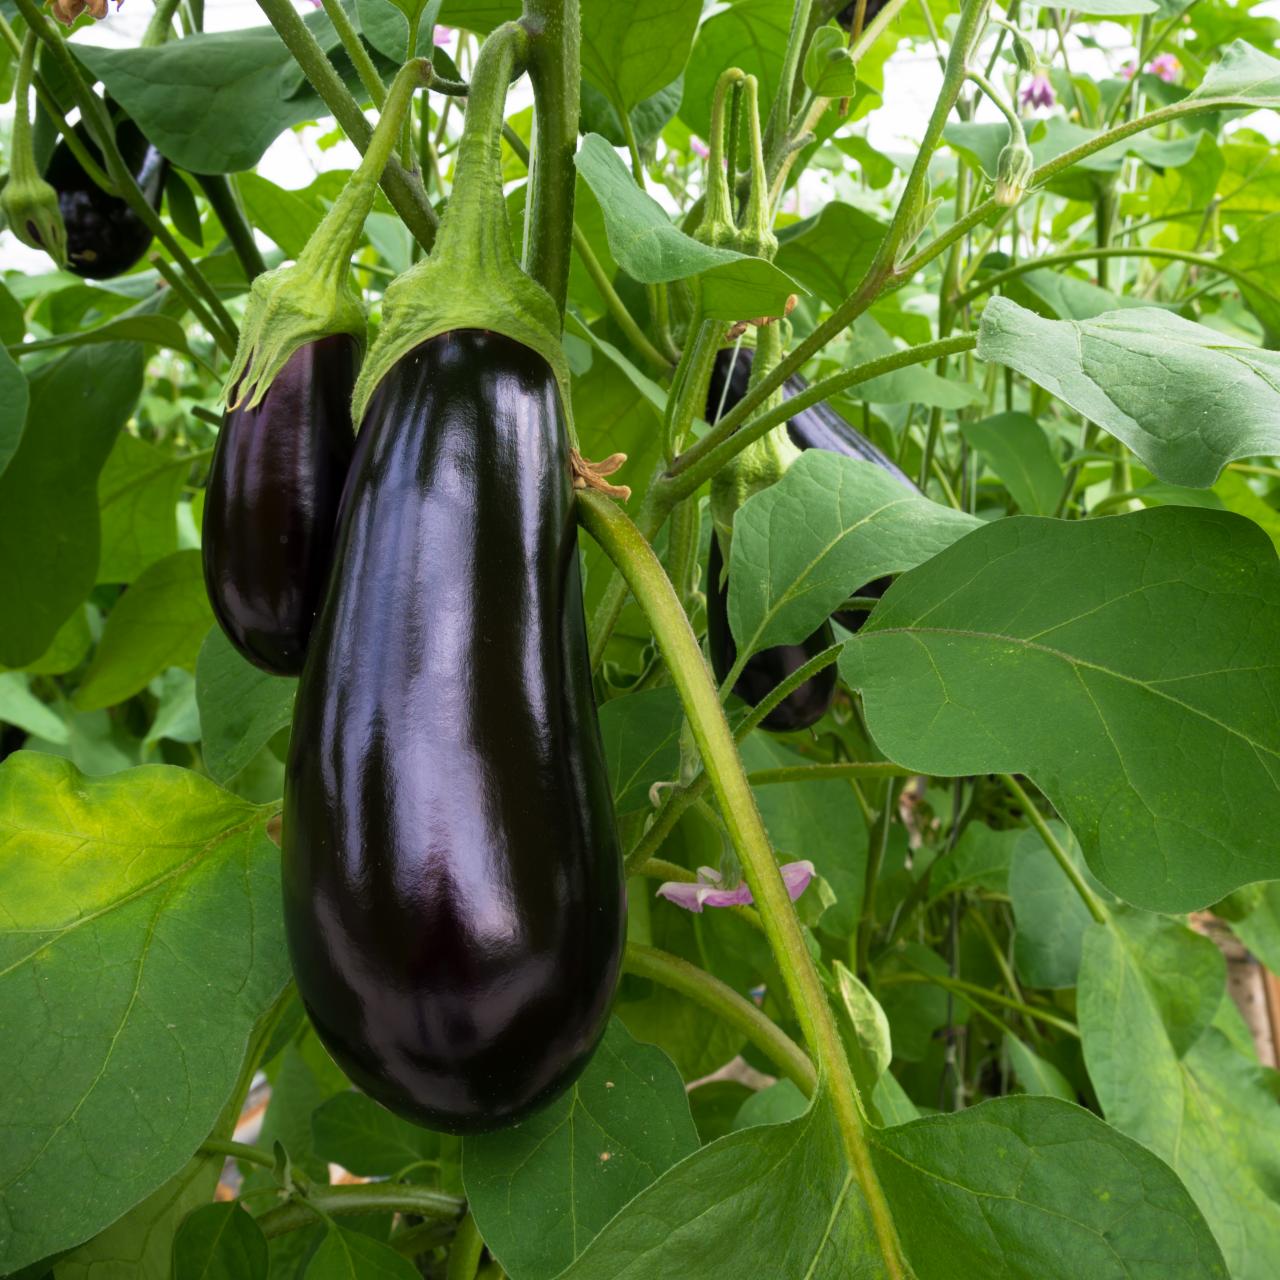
x=777 y=139
x=241 y=1152
x=403 y=189
x=368 y=1197
x=1054 y=845
x=222 y=199
x=555 y=70
x=160 y=28
x=729 y=437
x=465 y=1251
x=354 y=48
x=625 y=545
x=734 y=1010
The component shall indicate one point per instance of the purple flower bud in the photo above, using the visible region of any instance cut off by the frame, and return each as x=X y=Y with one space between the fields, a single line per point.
x=699 y=148
x=1038 y=92
x=706 y=891
x=442 y=35
x=1166 y=66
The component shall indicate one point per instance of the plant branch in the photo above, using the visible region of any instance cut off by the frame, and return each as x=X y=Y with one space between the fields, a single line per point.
x=555 y=70
x=366 y=1197
x=1052 y=843
x=962 y=989
x=403 y=189
x=721 y=999
x=354 y=48
x=222 y=199
x=627 y=548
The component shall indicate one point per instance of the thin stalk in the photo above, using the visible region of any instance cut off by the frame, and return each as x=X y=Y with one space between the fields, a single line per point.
x=555 y=72
x=222 y=199
x=627 y=548
x=1060 y=855
x=225 y=339
x=354 y=48
x=241 y=1152
x=403 y=189
x=732 y=1009
x=777 y=139
x=826 y=772
x=961 y=988
x=614 y=304
x=875 y=861
x=366 y=1197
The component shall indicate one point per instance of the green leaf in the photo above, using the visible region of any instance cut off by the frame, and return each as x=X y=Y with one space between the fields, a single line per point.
x=13 y=407
x=1185 y=398
x=1117 y=662
x=641 y=733
x=1180 y=1088
x=632 y=50
x=1051 y=917
x=348 y=1255
x=829 y=68
x=1256 y=251
x=153 y=330
x=20 y=707
x=1036 y=1187
x=541 y=1191
x=177 y=717
x=241 y=707
x=1034 y=1074
x=139 y=1246
x=211 y=103
x=352 y=1130
x=1254 y=913
x=1061 y=297
x=864 y=1028
x=981 y=858
x=776 y=1104
x=1244 y=76
x=159 y=622
x=138 y=492
x=48 y=493
x=829 y=253
x=1016 y=448
x=287 y=217
x=832 y=524
x=651 y=249
x=220 y=1242
x=141 y=942
x=385 y=25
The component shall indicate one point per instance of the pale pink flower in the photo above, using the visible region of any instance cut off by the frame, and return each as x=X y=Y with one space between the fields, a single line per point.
x=699 y=148
x=1166 y=66
x=442 y=35
x=1128 y=71
x=707 y=890
x=1038 y=92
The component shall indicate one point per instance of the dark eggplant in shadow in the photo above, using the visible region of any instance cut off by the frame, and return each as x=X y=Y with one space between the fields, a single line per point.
x=105 y=237
x=271 y=504
x=453 y=886
x=766 y=670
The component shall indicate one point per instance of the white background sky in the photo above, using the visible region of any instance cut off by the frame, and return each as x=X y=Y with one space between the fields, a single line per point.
x=293 y=159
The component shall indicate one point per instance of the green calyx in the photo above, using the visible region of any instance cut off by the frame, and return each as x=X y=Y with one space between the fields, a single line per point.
x=1013 y=173
x=471 y=279
x=763 y=462
x=717 y=227
x=314 y=298
x=29 y=203
x=756 y=237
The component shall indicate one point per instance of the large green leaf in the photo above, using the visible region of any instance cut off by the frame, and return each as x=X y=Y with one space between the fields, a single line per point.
x=1119 y=663
x=212 y=103
x=241 y=707
x=221 y=1242
x=1022 y=1186
x=1243 y=76
x=48 y=493
x=1256 y=251
x=138 y=492
x=13 y=407
x=1185 y=398
x=1147 y=990
x=830 y=252
x=831 y=525
x=141 y=941
x=347 y=1255
x=632 y=50
x=641 y=733
x=541 y=1191
x=1016 y=448
x=650 y=248
x=159 y=622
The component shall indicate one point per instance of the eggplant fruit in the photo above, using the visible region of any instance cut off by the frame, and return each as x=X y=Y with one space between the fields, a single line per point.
x=271 y=506
x=453 y=885
x=105 y=237
x=767 y=669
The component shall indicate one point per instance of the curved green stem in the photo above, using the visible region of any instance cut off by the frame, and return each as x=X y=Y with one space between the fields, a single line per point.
x=403 y=189
x=721 y=999
x=367 y=1197
x=241 y=1152
x=994 y=95
x=1060 y=855
x=354 y=48
x=555 y=71
x=995 y=280
x=648 y=581
x=728 y=437
x=222 y=199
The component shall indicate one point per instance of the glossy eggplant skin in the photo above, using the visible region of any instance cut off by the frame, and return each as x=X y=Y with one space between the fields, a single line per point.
x=104 y=235
x=453 y=886
x=767 y=669
x=271 y=505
